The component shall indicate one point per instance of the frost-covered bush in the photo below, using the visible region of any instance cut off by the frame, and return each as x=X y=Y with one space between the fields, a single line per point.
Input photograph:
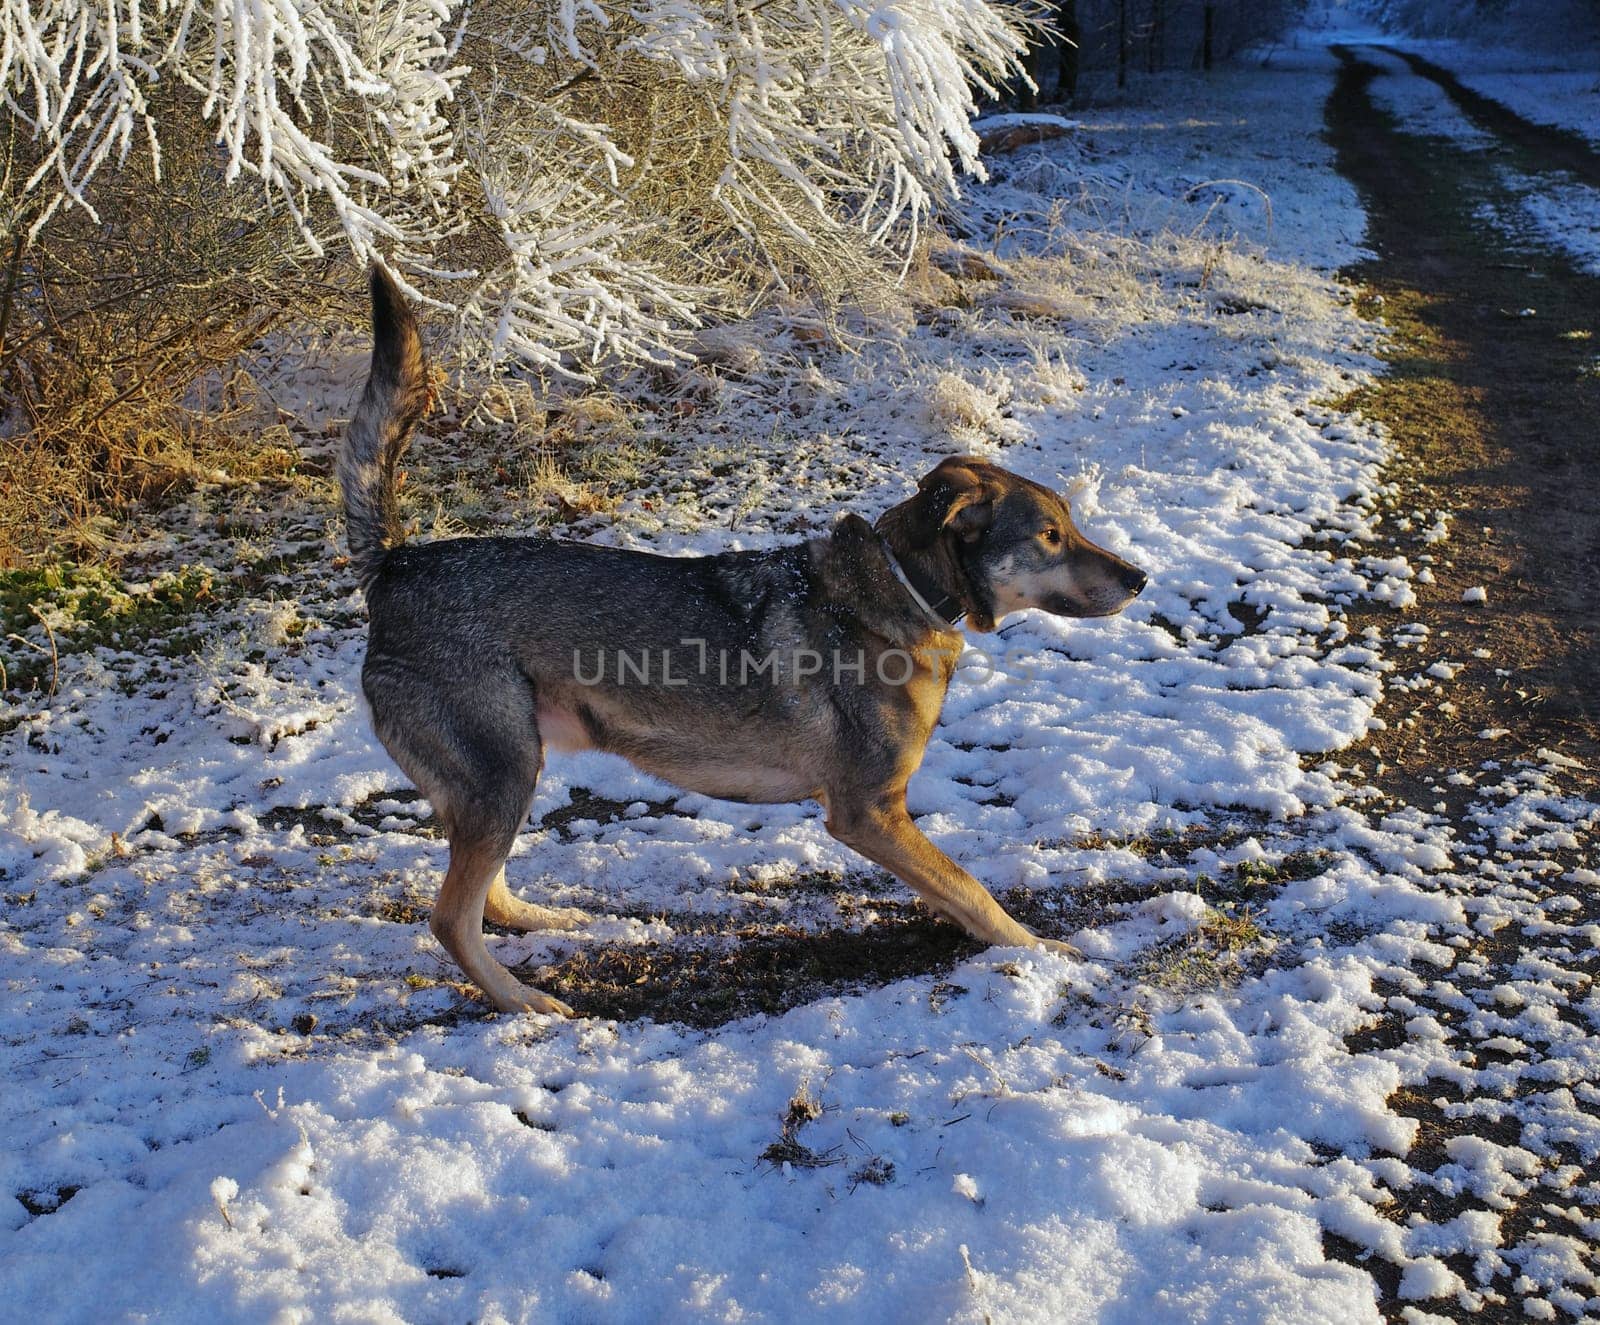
x=568 y=178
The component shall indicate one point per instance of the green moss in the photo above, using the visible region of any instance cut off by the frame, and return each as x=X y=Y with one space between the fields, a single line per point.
x=1295 y=866
x=88 y=607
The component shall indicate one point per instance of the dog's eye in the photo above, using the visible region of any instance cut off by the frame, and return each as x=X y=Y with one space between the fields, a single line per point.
x=1052 y=537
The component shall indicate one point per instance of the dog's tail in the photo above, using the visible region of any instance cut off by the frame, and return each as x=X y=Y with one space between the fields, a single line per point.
x=396 y=398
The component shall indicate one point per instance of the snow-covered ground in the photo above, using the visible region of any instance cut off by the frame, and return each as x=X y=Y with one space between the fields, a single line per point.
x=240 y=1082
x=1553 y=209
x=1563 y=90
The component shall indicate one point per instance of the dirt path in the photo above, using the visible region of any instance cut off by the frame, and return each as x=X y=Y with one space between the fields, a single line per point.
x=1553 y=148
x=1495 y=411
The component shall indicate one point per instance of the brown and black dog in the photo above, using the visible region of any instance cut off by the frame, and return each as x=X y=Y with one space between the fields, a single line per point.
x=810 y=672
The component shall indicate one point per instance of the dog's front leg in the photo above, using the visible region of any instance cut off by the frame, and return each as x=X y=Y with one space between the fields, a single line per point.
x=881 y=829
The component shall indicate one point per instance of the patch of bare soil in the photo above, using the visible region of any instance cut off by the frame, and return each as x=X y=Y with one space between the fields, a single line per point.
x=1492 y=398
x=863 y=931
x=707 y=980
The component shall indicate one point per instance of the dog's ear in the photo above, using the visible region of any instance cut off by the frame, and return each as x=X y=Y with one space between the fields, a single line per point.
x=956 y=496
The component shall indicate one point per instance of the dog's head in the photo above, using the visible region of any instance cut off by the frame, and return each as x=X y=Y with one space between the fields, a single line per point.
x=1010 y=544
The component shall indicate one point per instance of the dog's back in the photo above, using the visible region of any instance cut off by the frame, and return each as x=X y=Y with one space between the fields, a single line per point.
x=697 y=669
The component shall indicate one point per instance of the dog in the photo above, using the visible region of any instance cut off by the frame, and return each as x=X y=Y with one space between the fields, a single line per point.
x=814 y=671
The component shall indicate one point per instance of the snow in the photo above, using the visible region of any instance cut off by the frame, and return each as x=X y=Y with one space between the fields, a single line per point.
x=398 y=137
x=239 y=1084
x=1426 y=1277
x=987 y=124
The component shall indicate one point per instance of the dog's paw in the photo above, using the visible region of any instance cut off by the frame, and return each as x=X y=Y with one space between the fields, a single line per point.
x=522 y=998
x=552 y=1007
x=564 y=918
x=1057 y=946
x=534 y=1000
x=514 y=913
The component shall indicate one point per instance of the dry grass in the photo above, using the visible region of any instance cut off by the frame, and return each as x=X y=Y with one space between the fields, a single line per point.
x=805 y=1108
x=1217 y=953
x=961 y=406
x=120 y=339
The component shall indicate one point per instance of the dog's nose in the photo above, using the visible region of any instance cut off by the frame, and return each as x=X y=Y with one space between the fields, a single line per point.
x=1134 y=580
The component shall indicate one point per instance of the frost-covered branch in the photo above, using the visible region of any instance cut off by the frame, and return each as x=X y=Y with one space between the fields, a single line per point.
x=568 y=177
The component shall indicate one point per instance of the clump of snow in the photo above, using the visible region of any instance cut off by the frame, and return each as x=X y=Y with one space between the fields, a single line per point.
x=1428 y=1277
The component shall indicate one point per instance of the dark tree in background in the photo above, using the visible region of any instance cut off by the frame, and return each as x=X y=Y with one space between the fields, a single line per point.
x=1071 y=43
x=1101 y=41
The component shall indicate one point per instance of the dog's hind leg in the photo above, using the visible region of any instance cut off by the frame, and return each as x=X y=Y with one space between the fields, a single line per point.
x=501 y=907
x=476 y=860
x=881 y=829
x=479 y=769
